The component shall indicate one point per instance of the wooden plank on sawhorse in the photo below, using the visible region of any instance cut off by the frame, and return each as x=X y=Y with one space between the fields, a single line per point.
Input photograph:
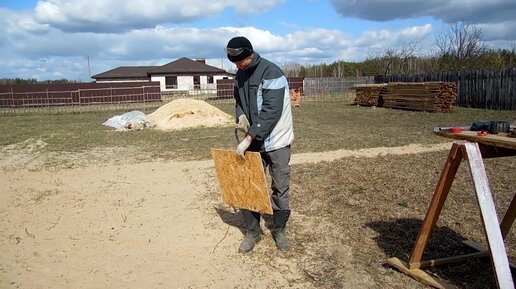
x=493 y=230
x=242 y=181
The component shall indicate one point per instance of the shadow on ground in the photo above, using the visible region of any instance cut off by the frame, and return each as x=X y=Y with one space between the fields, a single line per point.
x=397 y=239
x=234 y=218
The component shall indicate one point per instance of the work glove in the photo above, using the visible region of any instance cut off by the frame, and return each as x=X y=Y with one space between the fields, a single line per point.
x=243 y=123
x=243 y=146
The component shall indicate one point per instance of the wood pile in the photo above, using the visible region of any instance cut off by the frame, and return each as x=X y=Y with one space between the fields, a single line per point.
x=368 y=94
x=295 y=97
x=422 y=96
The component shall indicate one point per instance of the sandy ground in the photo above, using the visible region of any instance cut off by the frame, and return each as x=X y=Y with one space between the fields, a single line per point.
x=139 y=225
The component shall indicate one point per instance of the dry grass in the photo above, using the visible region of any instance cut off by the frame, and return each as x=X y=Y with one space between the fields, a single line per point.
x=319 y=126
x=376 y=207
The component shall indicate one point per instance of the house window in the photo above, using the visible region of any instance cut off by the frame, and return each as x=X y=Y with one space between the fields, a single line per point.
x=210 y=78
x=171 y=82
x=197 y=82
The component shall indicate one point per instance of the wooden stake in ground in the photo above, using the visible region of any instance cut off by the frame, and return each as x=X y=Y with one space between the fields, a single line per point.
x=242 y=181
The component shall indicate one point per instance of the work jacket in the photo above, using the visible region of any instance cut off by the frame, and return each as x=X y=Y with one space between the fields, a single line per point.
x=262 y=94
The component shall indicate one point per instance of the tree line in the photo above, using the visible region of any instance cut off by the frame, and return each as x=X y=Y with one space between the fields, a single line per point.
x=17 y=80
x=458 y=47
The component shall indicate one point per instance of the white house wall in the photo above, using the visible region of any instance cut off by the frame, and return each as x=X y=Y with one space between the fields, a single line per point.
x=160 y=79
x=185 y=83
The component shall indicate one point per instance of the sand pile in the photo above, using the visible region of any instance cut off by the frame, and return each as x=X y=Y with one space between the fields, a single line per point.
x=188 y=113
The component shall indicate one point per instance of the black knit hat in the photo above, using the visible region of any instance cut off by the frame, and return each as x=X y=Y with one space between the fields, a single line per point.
x=238 y=48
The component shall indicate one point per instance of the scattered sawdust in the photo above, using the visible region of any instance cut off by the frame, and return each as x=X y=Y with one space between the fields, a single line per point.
x=21 y=154
x=188 y=113
x=28 y=146
x=367 y=153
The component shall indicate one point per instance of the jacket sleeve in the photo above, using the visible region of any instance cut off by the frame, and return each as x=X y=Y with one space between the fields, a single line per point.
x=271 y=97
x=238 y=105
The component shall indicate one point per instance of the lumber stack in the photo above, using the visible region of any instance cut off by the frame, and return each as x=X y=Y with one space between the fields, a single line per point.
x=368 y=94
x=295 y=97
x=422 y=96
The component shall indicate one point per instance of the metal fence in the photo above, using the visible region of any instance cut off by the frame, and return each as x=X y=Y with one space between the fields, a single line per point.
x=26 y=100
x=332 y=88
x=147 y=97
x=479 y=89
x=311 y=89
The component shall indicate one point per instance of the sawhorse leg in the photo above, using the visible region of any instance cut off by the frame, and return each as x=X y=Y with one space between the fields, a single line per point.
x=493 y=230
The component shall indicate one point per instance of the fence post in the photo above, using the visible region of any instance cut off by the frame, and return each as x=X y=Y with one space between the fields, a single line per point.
x=12 y=98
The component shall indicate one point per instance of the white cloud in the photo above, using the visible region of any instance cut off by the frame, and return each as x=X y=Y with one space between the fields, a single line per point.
x=501 y=31
x=417 y=31
x=65 y=52
x=55 y=39
x=476 y=12
x=470 y=11
x=124 y=15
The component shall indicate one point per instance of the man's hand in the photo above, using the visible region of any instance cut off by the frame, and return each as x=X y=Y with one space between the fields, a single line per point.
x=243 y=146
x=243 y=123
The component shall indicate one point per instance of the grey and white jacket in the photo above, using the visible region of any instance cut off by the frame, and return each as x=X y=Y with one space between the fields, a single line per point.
x=262 y=94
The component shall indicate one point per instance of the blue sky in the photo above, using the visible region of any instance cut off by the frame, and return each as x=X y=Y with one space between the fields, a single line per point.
x=53 y=39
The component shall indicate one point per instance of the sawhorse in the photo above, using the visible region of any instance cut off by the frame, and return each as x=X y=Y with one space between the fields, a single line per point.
x=495 y=232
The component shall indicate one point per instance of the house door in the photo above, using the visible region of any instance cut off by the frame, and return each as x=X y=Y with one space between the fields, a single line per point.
x=197 y=82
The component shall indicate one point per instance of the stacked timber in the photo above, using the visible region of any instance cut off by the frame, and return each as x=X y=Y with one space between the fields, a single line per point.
x=295 y=97
x=368 y=94
x=422 y=96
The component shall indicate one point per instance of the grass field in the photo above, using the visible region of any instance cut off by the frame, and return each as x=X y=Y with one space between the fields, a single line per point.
x=319 y=126
x=368 y=207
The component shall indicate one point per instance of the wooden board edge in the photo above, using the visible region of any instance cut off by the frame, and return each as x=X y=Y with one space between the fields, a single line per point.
x=419 y=275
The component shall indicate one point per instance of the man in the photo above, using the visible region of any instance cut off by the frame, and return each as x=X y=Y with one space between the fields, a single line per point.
x=263 y=112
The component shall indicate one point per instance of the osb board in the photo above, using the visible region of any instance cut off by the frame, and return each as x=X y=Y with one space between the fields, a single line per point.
x=242 y=181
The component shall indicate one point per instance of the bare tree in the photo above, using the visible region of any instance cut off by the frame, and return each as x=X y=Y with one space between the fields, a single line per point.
x=402 y=59
x=389 y=58
x=458 y=43
x=408 y=54
x=292 y=69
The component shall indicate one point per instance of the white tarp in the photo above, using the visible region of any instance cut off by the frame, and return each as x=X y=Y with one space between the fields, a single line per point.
x=133 y=120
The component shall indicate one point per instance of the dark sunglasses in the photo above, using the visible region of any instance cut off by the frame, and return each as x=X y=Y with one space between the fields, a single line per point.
x=236 y=51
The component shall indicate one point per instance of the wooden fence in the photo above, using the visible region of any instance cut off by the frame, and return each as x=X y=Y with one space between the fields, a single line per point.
x=476 y=89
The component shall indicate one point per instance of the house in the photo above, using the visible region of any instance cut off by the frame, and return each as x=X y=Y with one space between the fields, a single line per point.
x=183 y=75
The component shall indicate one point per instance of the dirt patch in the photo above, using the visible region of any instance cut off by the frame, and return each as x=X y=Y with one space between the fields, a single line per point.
x=131 y=224
x=121 y=226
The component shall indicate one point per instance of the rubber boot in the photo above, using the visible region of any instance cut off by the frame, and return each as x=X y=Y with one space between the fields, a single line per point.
x=280 y=224
x=252 y=236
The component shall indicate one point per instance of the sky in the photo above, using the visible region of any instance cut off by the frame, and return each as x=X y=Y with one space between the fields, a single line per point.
x=76 y=39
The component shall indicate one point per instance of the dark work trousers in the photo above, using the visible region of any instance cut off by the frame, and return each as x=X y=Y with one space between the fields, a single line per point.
x=278 y=164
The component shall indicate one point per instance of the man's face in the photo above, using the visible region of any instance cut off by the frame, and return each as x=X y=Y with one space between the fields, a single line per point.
x=244 y=63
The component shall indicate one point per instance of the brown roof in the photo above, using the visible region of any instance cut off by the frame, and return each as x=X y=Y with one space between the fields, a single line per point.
x=126 y=72
x=181 y=66
x=186 y=66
